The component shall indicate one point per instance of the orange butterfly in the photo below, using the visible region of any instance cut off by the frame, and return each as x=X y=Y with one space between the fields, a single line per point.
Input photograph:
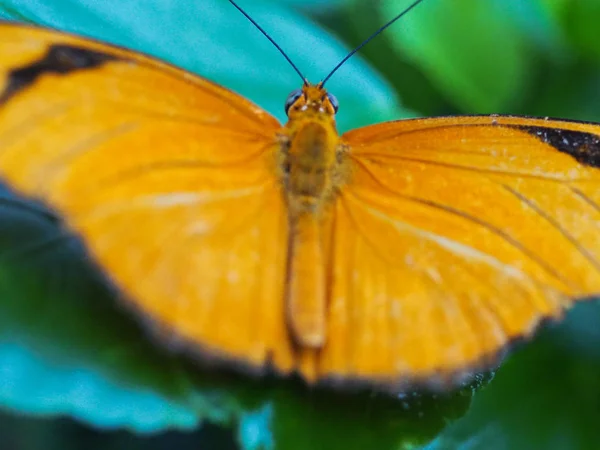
x=409 y=251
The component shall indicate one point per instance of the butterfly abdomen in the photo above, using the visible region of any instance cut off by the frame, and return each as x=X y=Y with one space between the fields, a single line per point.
x=310 y=165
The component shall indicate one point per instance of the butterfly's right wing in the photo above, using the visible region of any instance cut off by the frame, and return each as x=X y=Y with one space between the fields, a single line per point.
x=169 y=180
x=455 y=237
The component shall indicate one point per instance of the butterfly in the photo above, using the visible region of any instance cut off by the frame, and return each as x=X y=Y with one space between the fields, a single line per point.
x=409 y=252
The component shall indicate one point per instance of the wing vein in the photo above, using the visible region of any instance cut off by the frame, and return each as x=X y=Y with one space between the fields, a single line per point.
x=585 y=198
x=568 y=236
x=422 y=274
x=214 y=90
x=160 y=166
x=458 y=213
x=465 y=168
x=162 y=117
x=170 y=199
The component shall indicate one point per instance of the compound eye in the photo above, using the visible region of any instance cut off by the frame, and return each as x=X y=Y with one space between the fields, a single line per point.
x=295 y=95
x=334 y=101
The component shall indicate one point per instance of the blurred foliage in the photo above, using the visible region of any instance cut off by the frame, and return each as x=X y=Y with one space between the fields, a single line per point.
x=67 y=350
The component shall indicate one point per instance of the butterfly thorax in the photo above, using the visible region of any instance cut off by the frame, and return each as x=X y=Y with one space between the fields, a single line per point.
x=309 y=153
x=310 y=163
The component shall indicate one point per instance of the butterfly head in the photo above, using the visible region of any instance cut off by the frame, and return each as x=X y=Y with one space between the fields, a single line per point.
x=310 y=101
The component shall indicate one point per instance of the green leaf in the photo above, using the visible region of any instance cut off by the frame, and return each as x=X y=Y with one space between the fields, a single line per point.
x=474 y=53
x=579 y=102
x=547 y=395
x=581 y=22
x=536 y=20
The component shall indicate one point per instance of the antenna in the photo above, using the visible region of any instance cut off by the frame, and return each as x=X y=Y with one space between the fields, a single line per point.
x=415 y=3
x=346 y=58
x=270 y=39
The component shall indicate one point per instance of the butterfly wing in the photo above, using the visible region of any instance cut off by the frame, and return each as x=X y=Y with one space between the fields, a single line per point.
x=454 y=237
x=169 y=180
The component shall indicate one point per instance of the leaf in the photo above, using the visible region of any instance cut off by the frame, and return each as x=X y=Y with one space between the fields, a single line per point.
x=474 y=53
x=581 y=22
x=319 y=6
x=579 y=102
x=537 y=23
x=545 y=396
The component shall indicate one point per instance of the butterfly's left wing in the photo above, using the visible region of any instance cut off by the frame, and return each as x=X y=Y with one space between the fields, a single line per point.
x=169 y=180
x=454 y=237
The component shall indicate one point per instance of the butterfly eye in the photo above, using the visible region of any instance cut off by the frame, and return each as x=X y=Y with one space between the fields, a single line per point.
x=295 y=95
x=334 y=102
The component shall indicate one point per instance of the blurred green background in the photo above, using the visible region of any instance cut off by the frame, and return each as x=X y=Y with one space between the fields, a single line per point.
x=77 y=373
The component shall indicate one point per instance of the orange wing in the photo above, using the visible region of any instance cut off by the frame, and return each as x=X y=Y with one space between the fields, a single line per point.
x=164 y=175
x=454 y=237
